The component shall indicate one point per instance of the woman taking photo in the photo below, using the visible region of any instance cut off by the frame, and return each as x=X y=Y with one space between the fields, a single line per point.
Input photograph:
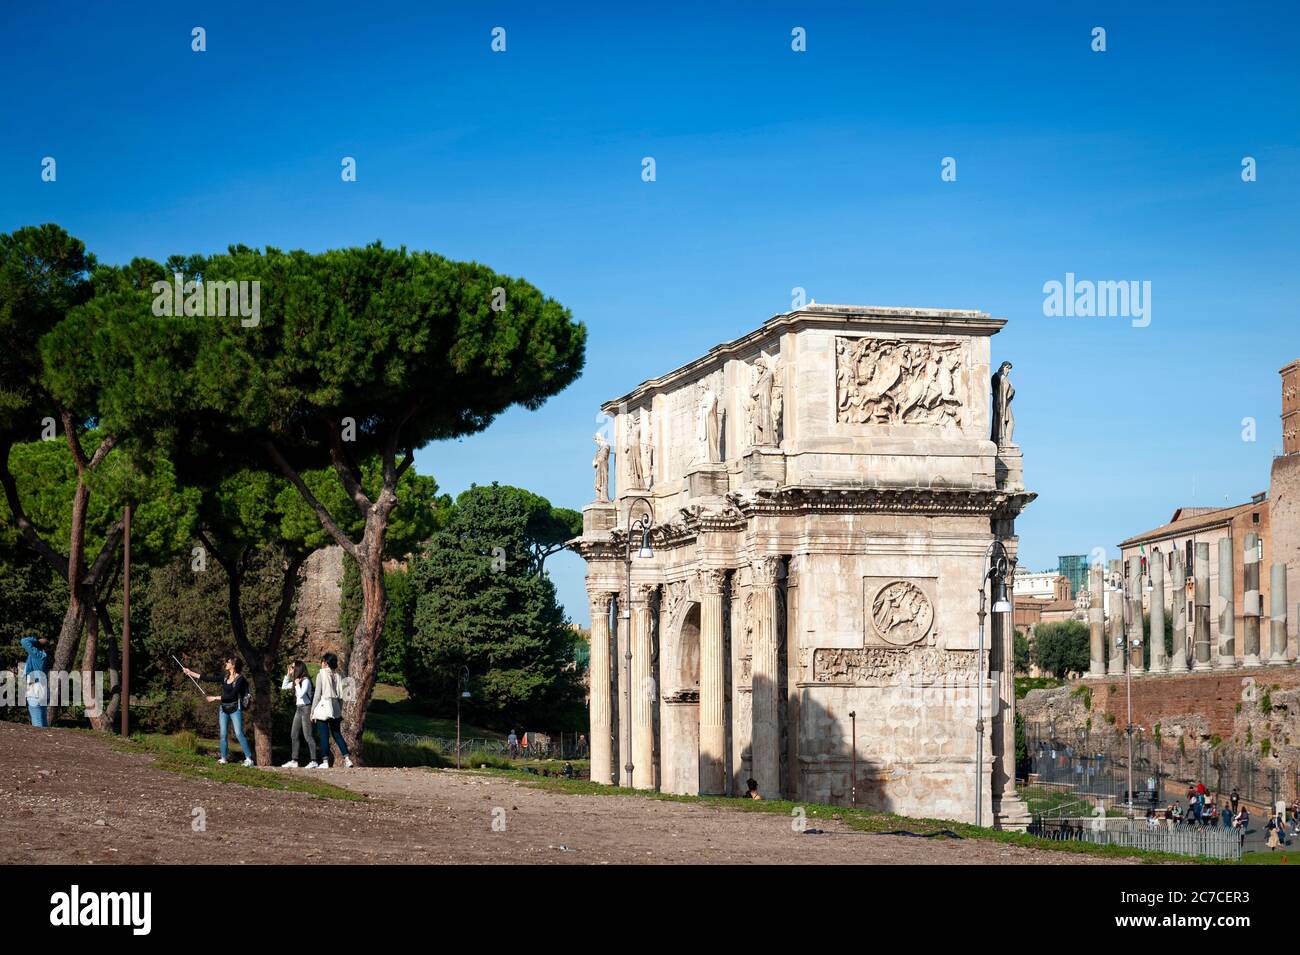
x=327 y=710
x=234 y=693
x=298 y=681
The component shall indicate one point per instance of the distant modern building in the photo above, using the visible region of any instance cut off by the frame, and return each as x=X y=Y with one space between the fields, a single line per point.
x=1074 y=568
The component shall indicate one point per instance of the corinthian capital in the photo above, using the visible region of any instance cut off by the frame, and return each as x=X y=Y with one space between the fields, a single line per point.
x=712 y=580
x=599 y=603
x=764 y=570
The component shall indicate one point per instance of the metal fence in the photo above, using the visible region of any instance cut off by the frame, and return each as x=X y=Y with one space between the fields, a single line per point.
x=1152 y=835
x=557 y=746
x=1097 y=763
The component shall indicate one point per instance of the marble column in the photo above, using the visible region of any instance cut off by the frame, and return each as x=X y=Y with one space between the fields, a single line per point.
x=713 y=685
x=1135 y=639
x=1252 y=604
x=602 y=723
x=1115 y=607
x=1201 y=608
x=643 y=690
x=766 y=741
x=1096 y=622
x=623 y=668
x=1277 y=617
x=1159 y=663
x=1227 y=655
x=1178 y=579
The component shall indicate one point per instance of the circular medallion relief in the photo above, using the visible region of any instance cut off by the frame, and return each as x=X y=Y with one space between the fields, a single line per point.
x=901 y=613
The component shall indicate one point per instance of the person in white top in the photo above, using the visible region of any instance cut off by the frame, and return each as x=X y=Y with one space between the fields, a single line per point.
x=298 y=681
x=327 y=710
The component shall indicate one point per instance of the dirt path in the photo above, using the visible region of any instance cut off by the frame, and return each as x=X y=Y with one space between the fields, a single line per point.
x=67 y=797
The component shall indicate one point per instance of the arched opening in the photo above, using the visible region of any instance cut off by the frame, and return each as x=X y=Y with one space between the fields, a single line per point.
x=680 y=713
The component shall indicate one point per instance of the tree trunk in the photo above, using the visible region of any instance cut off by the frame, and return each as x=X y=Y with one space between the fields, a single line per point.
x=262 y=713
x=368 y=638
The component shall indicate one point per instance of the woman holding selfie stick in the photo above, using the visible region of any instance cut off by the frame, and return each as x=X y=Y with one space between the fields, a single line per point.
x=234 y=695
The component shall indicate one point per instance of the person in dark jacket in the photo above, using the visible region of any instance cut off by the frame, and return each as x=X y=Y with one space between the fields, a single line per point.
x=234 y=688
x=36 y=674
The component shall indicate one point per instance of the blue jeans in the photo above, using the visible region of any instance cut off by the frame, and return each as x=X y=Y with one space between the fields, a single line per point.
x=39 y=714
x=237 y=718
x=325 y=728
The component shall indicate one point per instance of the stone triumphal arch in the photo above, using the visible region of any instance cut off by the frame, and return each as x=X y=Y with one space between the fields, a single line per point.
x=821 y=495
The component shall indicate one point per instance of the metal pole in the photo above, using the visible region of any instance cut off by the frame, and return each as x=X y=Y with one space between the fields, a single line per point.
x=625 y=616
x=458 y=728
x=853 y=785
x=979 y=724
x=126 y=622
x=1128 y=682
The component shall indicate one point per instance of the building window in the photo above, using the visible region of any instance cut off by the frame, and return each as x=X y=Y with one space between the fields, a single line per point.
x=1254 y=518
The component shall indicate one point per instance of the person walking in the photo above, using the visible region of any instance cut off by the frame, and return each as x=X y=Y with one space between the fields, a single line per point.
x=512 y=744
x=234 y=697
x=327 y=711
x=298 y=680
x=36 y=675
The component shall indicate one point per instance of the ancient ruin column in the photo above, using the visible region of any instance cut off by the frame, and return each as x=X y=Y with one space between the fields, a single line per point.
x=766 y=742
x=643 y=690
x=1252 y=603
x=713 y=685
x=1277 y=617
x=602 y=723
x=1178 y=578
x=1135 y=638
x=623 y=669
x=1096 y=622
x=1115 y=602
x=1201 y=609
x=1227 y=656
x=1159 y=663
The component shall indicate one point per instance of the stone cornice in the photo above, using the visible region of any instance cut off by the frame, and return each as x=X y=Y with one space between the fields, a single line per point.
x=743 y=506
x=933 y=321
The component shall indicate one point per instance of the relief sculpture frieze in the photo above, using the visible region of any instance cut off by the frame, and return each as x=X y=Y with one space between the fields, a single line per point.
x=899 y=382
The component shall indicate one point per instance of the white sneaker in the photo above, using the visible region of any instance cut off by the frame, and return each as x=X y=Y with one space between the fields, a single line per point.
x=249 y=762
x=347 y=761
x=324 y=765
x=221 y=762
x=312 y=765
x=292 y=764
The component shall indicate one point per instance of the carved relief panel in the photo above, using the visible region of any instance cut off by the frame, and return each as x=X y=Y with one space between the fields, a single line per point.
x=900 y=381
x=898 y=613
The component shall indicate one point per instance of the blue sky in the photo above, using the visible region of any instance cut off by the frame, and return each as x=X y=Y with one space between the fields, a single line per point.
x=775 y=169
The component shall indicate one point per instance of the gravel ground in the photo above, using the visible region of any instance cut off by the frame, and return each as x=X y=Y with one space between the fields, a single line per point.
x=67 y=797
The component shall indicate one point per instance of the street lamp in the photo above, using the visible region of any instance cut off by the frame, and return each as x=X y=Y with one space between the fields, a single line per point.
x=998 y=564
x=462 y=695
x=641 y=527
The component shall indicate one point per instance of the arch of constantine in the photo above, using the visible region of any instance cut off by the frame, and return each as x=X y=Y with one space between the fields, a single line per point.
x=821 y=495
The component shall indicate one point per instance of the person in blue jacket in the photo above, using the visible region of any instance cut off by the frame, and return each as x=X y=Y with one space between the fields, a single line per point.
x=36 y=672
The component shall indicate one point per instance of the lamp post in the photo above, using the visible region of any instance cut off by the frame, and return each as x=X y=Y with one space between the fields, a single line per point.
x=997 y=564
x=642 y=526
x=462 y=695
x=853 y=784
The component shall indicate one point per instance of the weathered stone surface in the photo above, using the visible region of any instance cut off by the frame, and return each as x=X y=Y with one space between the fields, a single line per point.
x=318 y=602
x=855 y=493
